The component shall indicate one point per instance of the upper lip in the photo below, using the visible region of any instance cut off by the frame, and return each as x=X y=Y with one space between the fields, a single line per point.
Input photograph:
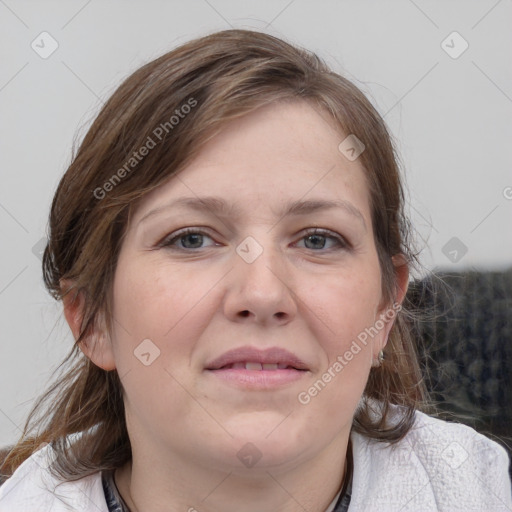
x=254 y=355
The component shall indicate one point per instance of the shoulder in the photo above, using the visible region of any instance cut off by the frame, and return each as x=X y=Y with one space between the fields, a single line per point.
x=33 y=487
x=446 y=465
x=454 y=443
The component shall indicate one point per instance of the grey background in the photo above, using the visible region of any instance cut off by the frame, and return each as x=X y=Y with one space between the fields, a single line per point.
x=451 y=117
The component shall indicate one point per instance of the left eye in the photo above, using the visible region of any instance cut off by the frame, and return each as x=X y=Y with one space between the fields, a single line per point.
x=322 y=240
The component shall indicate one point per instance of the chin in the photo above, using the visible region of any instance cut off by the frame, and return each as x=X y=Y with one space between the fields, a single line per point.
x=267 y=441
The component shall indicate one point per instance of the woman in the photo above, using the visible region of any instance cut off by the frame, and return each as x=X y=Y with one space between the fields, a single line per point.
x=232 y=255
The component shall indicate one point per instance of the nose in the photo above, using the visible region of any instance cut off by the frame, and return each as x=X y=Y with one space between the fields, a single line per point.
x=260 y=291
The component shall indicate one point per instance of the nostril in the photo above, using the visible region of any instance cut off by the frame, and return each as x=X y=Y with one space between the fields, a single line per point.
x=245 y=313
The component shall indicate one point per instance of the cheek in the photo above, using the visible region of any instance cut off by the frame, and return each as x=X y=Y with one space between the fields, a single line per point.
x=159 y=310
x=344 y=312
x=344 y=305
x=146 y=297
x=157 y=301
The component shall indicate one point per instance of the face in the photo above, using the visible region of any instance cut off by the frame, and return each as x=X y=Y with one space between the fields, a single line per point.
x=261 y=249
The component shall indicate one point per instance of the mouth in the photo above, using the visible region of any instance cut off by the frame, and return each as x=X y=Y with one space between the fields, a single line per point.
x=251 y=368
x=255 y=366
x=254 y=359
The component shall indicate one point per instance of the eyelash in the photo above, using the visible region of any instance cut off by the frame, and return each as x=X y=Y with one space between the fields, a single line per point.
x=168 y=243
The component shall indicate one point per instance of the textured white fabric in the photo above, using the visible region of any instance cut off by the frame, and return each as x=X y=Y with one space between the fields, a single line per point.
x=33 y=489
x=438 y=466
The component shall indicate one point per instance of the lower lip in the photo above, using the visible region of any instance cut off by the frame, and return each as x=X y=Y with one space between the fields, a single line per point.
x=258 y=379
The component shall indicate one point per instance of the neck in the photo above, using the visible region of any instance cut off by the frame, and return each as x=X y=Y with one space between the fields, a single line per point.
x=312 y=485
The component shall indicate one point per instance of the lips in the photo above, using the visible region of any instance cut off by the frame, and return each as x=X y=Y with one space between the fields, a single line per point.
x=253 y=359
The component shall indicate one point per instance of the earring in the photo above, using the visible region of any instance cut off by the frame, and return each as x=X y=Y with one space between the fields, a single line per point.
x=380 y=359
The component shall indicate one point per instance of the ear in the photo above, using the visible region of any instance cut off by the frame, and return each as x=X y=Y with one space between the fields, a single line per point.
x=96 y=344
x=389 y=312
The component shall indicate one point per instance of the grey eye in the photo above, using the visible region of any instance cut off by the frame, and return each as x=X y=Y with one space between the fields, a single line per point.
x=191 y=240
x=315 y=241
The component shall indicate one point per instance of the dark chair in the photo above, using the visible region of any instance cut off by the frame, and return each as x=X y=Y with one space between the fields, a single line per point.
x=465 y=345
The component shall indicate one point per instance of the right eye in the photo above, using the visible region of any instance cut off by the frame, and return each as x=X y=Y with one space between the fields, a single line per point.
x=187 y=239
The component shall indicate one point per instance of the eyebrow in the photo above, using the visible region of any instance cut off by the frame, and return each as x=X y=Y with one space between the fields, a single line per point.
x=221 y=208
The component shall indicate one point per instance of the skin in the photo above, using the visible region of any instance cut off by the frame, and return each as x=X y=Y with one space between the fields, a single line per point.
x=312 y=296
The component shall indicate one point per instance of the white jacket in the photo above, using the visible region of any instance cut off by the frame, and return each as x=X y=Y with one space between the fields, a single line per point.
x=438 y=466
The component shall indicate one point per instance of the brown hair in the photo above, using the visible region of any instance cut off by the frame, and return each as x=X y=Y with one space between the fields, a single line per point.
x=218 y=77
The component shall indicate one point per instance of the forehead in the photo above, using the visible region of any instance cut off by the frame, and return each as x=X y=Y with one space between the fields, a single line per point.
x=277 y=154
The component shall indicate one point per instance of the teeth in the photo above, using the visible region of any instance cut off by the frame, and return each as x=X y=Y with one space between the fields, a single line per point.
x=258 y=366
x=253 y=366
